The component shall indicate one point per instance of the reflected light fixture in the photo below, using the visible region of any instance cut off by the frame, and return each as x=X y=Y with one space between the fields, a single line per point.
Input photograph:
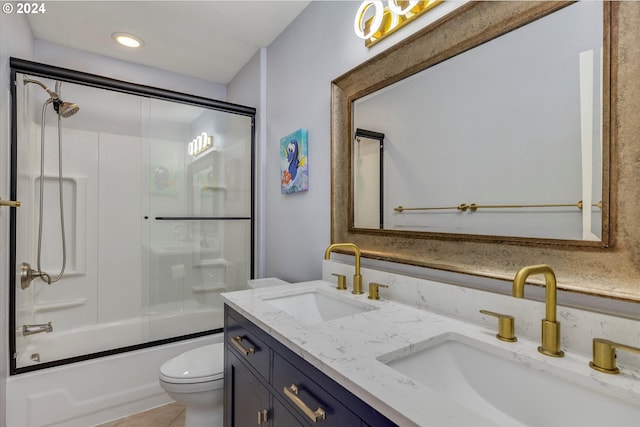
x=127 y=39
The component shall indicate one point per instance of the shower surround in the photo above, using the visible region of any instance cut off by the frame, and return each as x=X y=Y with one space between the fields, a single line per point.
x=153 y=235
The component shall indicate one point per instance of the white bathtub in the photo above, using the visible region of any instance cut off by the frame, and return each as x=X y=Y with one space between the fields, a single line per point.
x=59 y=345
x=99 y=390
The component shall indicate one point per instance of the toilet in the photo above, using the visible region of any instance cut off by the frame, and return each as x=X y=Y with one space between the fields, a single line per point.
x=195 y=378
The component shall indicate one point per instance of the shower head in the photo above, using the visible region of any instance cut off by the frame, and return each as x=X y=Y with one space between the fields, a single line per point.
x=65 y=109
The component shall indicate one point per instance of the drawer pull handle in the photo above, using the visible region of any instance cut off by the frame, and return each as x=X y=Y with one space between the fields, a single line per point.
x=263 y=417
x=237 y=341
x=292 y=393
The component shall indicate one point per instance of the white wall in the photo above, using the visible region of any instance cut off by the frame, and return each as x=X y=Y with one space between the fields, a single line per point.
x=318 y=47
x=15 y=40
x=249 y=88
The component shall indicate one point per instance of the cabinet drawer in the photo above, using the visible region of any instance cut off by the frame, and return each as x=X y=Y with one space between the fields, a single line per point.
x=307 y=398
x=248 y=346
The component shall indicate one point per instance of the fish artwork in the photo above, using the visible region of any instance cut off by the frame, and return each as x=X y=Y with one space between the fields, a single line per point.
x=293 y=161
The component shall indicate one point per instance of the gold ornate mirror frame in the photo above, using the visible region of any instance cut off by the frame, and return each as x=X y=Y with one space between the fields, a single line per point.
x=610 y=268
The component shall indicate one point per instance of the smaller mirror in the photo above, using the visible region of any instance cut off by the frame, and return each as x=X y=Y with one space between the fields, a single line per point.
x=368 y=184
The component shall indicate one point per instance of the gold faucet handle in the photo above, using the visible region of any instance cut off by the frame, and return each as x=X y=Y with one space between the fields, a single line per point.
x=342 y=281
x=506 y=326
x=604 y=355
x=374 y=290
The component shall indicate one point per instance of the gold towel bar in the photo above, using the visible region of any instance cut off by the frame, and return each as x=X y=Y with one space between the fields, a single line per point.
x=474 y=207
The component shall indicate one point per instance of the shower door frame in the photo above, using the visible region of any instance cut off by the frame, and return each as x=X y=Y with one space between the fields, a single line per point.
x=32 y=68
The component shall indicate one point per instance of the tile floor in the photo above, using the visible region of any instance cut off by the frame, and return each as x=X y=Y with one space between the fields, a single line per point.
x=171 y=415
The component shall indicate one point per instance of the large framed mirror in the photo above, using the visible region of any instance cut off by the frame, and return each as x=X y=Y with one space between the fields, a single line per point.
x=485 y=184
x=504 y=139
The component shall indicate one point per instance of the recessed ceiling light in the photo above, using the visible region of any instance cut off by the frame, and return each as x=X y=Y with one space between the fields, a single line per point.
x=127 y=39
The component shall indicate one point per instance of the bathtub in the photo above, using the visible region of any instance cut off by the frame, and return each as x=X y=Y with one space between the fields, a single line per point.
x=58 y=345
x=98 y=390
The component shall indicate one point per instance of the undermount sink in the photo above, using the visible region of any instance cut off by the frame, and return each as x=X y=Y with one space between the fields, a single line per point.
x=316 y=306
x=506 y=386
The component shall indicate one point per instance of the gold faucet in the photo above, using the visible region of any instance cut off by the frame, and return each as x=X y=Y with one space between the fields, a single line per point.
x=550 y=327
x=357 y=277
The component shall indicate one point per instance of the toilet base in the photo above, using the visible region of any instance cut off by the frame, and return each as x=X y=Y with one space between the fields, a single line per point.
x=195 y=417
x=203 y=408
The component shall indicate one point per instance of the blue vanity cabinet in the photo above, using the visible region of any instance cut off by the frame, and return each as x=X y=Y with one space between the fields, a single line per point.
x=267 y=384
x=251 y=399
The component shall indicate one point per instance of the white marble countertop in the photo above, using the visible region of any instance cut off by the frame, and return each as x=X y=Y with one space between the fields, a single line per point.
x=348 y=350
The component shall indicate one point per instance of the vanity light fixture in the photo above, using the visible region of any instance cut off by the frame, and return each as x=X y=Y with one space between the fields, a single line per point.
x=386 y=20
x=400 y=10
x=371 y=26
x=127 y=39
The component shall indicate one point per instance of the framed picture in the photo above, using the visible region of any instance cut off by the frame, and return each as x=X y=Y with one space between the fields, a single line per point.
x=294 y=165
x=162 y=180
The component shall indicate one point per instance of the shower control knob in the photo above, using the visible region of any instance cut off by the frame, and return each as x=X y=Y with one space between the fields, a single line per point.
x=28 y=274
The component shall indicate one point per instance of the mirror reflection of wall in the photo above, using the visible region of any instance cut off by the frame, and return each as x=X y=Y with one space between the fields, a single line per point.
x=513 y=122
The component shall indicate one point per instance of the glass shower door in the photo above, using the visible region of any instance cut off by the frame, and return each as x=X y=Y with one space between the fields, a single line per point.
x=157 y=214
x=100 y=266
x=199 y=216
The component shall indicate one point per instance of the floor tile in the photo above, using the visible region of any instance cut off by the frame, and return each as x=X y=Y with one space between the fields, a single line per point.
x=171 y=415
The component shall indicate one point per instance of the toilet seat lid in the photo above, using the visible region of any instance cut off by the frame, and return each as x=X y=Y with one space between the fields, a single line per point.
x=198 y=365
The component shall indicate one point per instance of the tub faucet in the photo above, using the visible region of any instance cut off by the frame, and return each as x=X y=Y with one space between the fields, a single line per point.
x=550 y=327
x=357 y=277
x=36 y=329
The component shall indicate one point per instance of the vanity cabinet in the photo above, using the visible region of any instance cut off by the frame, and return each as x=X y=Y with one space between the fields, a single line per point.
x=267 y=384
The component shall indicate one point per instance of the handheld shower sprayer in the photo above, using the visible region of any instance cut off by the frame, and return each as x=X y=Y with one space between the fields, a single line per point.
x=63 y=109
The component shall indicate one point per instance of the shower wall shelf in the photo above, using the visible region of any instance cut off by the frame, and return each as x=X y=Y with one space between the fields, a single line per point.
x=204 y=289
x=213 y=263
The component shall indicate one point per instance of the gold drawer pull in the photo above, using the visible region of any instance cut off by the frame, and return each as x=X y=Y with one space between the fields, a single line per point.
x=263 y=417
x=292 y=393
x=10 y=203
x=237 y=341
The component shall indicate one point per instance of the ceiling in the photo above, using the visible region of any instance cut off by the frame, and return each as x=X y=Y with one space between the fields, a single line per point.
x=210 y=40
